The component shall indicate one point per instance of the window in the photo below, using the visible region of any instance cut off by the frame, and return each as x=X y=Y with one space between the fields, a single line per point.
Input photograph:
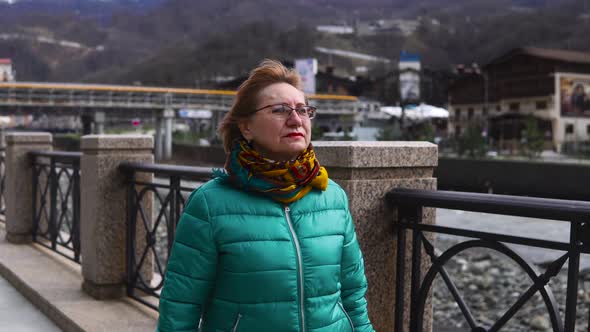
x=457 y=130
x=569 y=128
x=485 y=111
x=588 y=129
x=458 y=113
x=541 y=105
x=514 y=106
x=470 y=113
x=498 y=108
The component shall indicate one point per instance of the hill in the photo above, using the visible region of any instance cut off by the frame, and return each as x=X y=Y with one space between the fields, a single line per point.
x=191 y=43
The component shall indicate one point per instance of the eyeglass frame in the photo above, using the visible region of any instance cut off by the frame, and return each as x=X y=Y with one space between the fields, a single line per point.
x=313 y=108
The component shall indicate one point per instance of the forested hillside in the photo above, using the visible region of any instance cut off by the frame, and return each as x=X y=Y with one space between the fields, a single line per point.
x=189 y=43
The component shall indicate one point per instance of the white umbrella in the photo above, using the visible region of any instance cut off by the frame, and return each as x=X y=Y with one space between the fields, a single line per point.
x=395 y=111
x=417 y=112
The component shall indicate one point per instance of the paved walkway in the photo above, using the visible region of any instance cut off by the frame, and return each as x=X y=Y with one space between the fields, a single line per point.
x=53 y=282
x=17 y=314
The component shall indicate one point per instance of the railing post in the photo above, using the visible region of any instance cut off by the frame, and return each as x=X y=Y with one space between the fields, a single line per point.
x=175 y=207
x=367 y=171
x=572 y=278
x=2 y=181
x=104 y=209
x=76 y=215
x=53 y=184
x=19 y=183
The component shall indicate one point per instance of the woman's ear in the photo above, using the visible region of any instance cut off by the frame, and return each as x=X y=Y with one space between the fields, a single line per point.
x=244 y=126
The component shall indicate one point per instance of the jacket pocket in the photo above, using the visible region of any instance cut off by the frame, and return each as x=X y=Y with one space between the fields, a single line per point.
x=347 y=317
x=237 y=323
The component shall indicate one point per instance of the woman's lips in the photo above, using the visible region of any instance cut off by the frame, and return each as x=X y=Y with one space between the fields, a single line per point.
x=295 y=135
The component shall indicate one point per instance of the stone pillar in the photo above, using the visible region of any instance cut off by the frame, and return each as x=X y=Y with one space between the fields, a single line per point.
x=104 y=209
x=2 y=137
x=19 y=183
x=99 y=118
x=168 y=115
x=159 y=143
x=367 y=171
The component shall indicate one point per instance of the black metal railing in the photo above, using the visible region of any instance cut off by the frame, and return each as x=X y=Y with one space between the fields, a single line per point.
x=56 y=201
x=2 y=183
x=410 y=204
x=154 y=208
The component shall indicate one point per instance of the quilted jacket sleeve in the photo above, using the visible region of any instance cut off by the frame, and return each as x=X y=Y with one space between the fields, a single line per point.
x=190 y=272
x=354 y=282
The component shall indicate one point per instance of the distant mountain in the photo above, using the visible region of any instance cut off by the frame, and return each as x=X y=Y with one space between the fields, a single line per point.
x=101 y=9
x=191 y=42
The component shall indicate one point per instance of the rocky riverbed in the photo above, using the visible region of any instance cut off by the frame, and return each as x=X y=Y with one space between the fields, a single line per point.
x=490 y=283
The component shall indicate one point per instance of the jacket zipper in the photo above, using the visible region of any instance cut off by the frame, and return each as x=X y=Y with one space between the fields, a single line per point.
x=235 y=328
x=348 y=317
x=299 y=265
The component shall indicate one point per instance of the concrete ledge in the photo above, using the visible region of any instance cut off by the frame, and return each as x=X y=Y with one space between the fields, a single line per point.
x=359 y=154
x=117 y=142
x=53 y=284
x=28 y=137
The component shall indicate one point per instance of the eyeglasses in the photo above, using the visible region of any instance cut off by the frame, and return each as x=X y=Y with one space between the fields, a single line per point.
x=283 y=111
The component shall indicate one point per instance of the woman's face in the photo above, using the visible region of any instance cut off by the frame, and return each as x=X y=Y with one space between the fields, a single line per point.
x=275 y=137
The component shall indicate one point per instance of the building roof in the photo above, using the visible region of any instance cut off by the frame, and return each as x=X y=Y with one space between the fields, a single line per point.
x=545 y=53
x=5 y=61
x=408 y=57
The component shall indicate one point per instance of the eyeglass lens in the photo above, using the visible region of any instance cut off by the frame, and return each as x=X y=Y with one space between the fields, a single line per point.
x=303 y=111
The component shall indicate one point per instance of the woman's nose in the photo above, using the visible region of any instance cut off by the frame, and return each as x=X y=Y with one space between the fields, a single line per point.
x=294 y=119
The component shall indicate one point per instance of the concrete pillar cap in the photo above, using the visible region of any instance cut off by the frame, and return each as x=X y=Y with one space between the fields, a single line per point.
x=380 y=154
x=28 y=137
x=117 y=142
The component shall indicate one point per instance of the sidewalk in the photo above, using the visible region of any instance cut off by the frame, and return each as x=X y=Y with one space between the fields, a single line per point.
x=53 y=284
x=17 y=314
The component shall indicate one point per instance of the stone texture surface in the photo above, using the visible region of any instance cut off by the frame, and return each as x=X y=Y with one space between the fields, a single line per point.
x=376 y=154
x=367 y=171
x=52 y=283
x=374 y=222
x=104 y=209
x=19 y=203
x=27 y=137
x=374 y=173
x=116 y=142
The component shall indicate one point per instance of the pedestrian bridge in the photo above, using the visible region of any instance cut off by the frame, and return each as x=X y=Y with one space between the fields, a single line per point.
x=75 y=96
x=94 y=103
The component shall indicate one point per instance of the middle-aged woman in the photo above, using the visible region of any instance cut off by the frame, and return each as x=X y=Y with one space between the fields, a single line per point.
x=269 y=244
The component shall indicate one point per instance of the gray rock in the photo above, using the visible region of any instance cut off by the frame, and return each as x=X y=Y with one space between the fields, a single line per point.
x=540 y=323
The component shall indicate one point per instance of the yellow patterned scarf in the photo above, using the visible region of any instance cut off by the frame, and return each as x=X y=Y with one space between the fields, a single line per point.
x=285 y=182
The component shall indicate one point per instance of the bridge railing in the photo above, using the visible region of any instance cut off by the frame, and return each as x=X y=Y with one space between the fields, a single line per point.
x=56 y=201
x=112 y=96
x=108 y=99
x=410 y=205
x=153 y=211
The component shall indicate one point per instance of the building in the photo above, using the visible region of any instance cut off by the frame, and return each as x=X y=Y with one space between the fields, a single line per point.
x=409 y=77
x=552 y=86
x=6 y=72
x=335 y=29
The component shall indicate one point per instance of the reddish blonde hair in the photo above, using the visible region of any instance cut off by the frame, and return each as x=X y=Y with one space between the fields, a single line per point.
x=267 y=73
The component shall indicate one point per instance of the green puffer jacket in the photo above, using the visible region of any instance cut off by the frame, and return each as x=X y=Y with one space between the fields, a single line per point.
x=247 y=263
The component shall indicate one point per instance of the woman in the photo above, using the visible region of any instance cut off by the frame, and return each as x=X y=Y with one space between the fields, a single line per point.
x=270 y=244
